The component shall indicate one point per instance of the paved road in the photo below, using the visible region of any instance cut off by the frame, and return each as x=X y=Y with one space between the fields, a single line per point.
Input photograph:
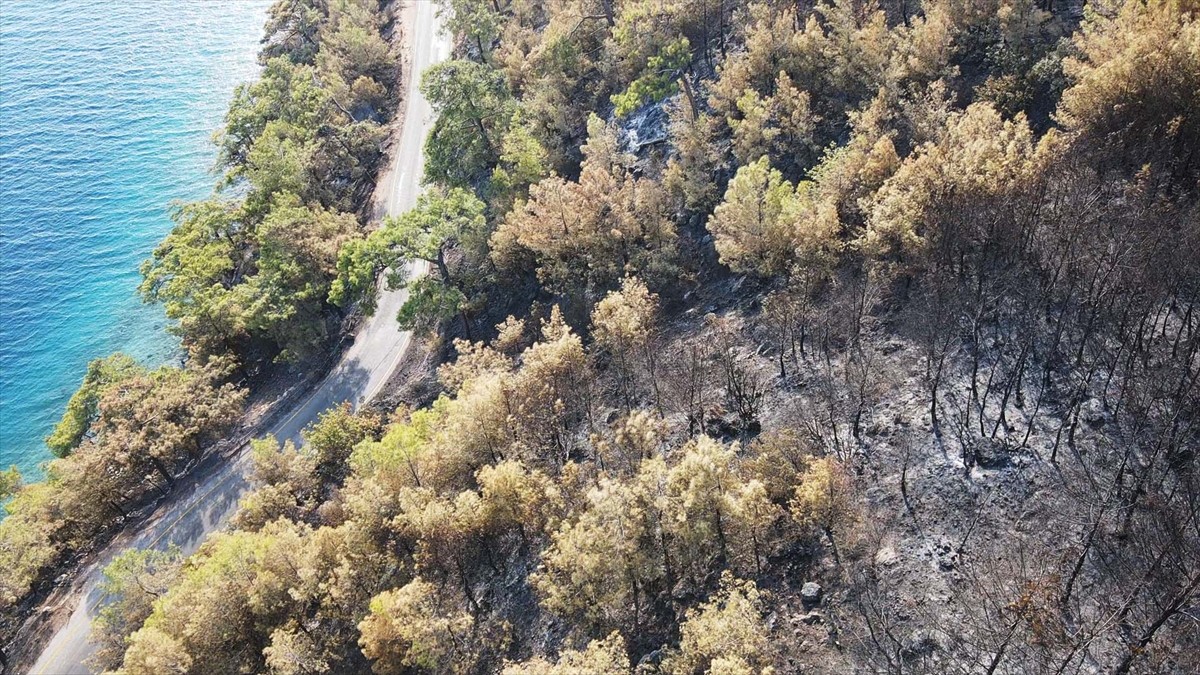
x=208 y=501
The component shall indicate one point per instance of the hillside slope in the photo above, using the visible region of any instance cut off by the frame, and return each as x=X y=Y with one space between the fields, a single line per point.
x=854 y=337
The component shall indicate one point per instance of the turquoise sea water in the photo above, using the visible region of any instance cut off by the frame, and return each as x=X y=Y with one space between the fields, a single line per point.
x=106 y=116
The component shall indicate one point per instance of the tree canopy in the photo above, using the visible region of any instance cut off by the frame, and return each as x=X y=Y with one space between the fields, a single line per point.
x=762 y=311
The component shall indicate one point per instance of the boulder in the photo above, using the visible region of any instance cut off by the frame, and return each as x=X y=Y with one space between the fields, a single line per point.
x=810 y=593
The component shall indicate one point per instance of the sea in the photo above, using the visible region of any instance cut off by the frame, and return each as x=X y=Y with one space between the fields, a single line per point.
x=107 y=111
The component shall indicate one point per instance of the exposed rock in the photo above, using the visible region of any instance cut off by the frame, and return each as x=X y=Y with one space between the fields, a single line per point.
x=992 y=454
x=719 y=427
x=920 y=643
x=646 y=126
x=652 y=659
x=813 y=618
x=810 y=593
x=1093 y=413
x=886 y=556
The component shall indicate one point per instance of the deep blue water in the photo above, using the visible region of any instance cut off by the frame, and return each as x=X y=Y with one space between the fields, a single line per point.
x=107 y=110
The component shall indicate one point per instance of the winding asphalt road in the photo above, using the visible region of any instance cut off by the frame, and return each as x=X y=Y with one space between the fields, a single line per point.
x=207 y=501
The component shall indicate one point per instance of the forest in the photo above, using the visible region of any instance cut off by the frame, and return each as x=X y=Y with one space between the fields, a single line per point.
x=760 y=337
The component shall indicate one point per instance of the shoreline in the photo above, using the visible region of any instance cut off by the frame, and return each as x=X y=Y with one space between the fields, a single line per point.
x=51 y=620
x=97 y=144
